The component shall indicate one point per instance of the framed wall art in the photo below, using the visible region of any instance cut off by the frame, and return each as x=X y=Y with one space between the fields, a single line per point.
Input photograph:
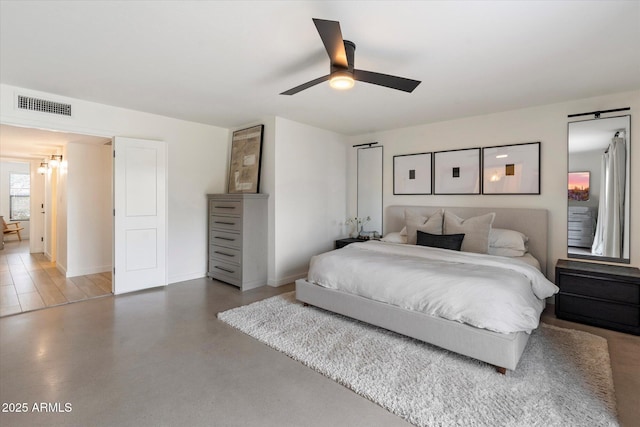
x=511 y=169
x=412 y=174
x=579 y=186
x=457 y=171
x=244 y=168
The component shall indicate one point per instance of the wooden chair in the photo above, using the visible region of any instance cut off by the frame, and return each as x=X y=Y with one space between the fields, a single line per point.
x=11 y=228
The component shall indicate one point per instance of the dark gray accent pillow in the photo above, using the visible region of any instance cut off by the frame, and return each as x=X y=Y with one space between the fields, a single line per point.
x=443 y=241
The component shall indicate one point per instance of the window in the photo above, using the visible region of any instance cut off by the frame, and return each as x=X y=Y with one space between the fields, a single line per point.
x=19 y=192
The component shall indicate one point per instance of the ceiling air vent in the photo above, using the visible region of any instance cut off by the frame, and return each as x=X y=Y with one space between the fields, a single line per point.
x=44 y=106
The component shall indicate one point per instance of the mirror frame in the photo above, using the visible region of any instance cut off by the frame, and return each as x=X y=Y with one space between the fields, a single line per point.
x=369 y=187
x=627 y=225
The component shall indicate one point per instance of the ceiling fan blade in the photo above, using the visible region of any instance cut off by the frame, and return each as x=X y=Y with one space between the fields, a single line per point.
x=306 y=85
x=393 y=82
x=332 y=38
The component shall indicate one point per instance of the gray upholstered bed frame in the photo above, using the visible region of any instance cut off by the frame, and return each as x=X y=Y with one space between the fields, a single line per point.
x=500 y=350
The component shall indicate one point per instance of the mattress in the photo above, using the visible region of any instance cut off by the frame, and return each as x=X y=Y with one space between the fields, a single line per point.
x=530 y=260
x=495 y=293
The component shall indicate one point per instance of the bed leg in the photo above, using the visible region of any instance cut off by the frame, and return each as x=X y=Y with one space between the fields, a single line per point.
x=501 y=370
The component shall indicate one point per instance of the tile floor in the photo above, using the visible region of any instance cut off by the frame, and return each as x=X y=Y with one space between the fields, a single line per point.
x=31 y=282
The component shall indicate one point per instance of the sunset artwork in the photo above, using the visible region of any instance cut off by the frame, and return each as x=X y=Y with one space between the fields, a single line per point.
x=579 y=186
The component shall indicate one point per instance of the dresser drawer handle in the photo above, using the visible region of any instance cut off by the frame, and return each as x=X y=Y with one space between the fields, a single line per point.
x=225 y=238
x=224 y=269
x=225 y=207
x=224 y=253
x=225 y=223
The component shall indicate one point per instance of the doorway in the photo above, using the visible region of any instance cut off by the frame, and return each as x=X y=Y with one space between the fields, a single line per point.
x=69 y=257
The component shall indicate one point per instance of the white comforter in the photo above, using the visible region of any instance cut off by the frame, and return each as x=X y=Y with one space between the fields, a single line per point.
x=486 y=291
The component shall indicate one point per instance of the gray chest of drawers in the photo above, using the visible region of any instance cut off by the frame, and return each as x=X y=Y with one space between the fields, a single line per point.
x=238 y=239
x=582 y=226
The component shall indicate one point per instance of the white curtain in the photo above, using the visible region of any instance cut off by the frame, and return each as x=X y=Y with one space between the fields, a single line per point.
x=609 y=236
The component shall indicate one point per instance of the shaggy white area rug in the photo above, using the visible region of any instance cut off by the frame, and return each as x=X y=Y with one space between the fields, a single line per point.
x=563 y=378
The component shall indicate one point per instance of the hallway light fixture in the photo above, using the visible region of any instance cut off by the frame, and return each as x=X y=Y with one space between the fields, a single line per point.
x=42 y=169
x=55 y=160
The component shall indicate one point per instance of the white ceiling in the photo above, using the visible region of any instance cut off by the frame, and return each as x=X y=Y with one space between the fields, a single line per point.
x=589 y=135
x=36 y=144
x=224 y=63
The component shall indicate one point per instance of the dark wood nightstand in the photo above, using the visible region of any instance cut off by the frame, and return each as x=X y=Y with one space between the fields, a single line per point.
x=341 y=243
x=602 y=295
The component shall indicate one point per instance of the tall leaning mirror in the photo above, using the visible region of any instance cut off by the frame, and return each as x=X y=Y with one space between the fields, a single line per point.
x=370 y=188
x=599 y=187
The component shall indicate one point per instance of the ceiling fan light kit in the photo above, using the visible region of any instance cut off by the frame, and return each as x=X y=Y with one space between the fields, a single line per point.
x=342 y=72
x=341 y=80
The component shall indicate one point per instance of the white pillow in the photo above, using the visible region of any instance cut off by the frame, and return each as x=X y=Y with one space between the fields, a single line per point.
x=395 y=237
x=475 y=229
x=429 y=224
x=507 y=239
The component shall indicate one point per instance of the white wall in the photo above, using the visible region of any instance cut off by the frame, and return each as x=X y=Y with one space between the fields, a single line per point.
x=268 y=186
x=8 y=167
x=197 y=164
x=60 y=215
x=304 y=172
x=310 y=172
x=547 y=124
x=310 y=203
x=89 y=209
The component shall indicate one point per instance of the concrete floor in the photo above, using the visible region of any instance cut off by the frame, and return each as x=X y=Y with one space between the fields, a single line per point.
x=160 y=357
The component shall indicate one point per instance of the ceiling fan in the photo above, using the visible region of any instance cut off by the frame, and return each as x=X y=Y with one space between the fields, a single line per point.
x=342 y=73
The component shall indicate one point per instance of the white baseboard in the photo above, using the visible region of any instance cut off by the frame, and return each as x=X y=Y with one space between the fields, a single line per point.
x=12 y=238
x=270 y=282
x=60 y=268
x=86 y=271
x=286 y=280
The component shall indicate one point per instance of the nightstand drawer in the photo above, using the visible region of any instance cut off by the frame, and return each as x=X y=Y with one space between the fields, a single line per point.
x=602 y=295
x=225 y=254
x=226 y=222
x=605 y=288
x=600 y=310
x=225 y=207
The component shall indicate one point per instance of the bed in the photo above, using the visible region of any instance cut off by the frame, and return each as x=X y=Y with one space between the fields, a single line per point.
x=503 y=350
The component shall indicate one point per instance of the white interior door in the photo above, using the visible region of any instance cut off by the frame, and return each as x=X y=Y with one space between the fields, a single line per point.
x=140 y=217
